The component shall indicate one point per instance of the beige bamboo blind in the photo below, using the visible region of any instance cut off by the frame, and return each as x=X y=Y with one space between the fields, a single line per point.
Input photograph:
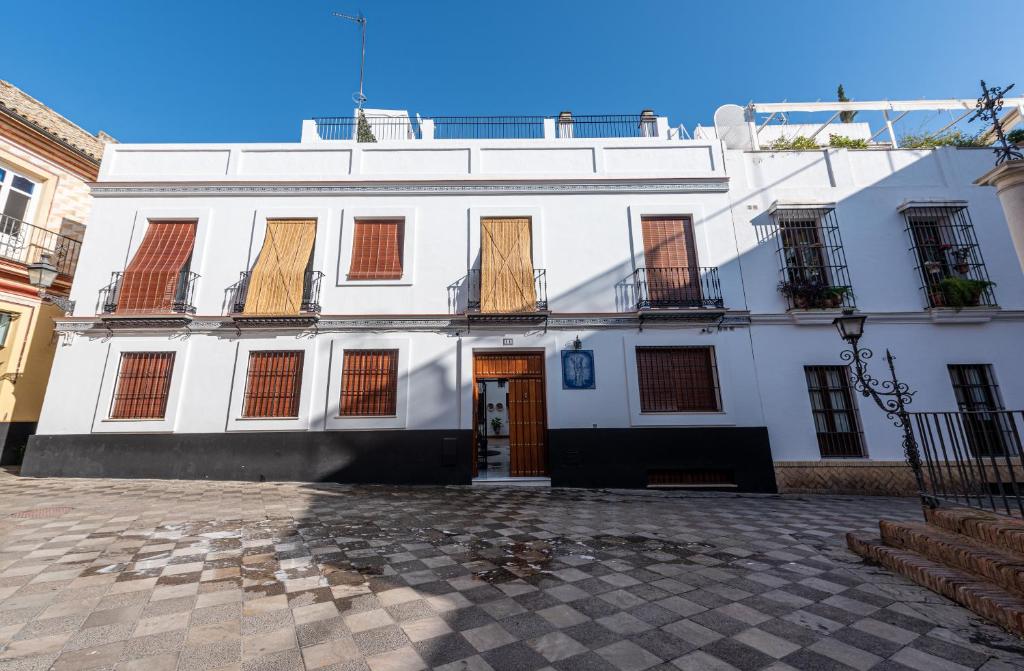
x=677 y=379
x=278 y=277
x=377 y=250
x=273 y=385
x=369 y=383
x=143 y=385
x=151 y=279
x=506 y=266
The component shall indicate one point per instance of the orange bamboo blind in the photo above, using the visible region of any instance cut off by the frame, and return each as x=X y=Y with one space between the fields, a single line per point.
x=377 y=250
x=506 y=266
x=273 y=385
x=143 y=384
x=369 y=383
x=677 y=379
x=151 y=279
x=278 y=277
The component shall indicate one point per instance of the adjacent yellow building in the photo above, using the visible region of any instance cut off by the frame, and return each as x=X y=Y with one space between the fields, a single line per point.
x=46 y=162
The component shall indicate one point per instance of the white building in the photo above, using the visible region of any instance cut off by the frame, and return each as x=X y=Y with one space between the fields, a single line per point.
x=595 y=301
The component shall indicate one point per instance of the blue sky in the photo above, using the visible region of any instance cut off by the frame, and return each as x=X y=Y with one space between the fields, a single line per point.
x=227 y=70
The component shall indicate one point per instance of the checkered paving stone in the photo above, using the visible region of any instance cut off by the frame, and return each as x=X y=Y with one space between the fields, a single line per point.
x=163 y=575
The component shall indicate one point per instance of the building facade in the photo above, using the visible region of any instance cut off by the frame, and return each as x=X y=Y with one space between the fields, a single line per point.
x=591 y=301
x=45 y=164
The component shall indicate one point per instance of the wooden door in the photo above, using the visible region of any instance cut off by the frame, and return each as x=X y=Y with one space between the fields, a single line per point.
x=506 y=266
x=670 y=258
x=527 y=413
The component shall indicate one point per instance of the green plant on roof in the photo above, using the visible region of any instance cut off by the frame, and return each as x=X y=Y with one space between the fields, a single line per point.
x=798 y=143
x=949 y=138
x=844 y=142
x=363 y=131
x=846 y=116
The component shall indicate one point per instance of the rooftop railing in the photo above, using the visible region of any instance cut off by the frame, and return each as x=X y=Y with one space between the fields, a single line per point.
x=24 y=243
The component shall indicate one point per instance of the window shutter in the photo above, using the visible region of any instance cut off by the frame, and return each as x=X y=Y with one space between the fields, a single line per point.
x=377 y=250
x=670 y=258
x=151 y=279
x=279 y=275
x=143 y=384
x=274 y=383
x=677 y=379
x=506 y=266
x=369 y=383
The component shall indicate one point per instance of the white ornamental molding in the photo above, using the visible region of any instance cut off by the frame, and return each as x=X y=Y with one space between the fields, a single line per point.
x=690 y=186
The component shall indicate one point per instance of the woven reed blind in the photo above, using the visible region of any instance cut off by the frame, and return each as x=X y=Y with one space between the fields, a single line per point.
x=273 y=385
x=369 y=383
x=506 y=266
x=143 y=384
x=151 y=279
x=377 y=250
x=677 y=379
x=278 y=277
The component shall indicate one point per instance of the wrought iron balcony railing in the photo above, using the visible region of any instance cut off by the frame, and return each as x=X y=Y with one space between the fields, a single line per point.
x=678 y=287
x=24 y=243
x=310 y=292
x=540 y=288
x=183 y=294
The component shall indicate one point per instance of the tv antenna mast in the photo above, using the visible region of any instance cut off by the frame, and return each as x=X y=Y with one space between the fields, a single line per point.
x=358 y=98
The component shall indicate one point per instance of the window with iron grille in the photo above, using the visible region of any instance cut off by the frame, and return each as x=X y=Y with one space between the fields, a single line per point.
x=988 y=431
x=273 y=384
x=369 y=383
x=948 y=258
x=377 y=249
x=811 y=258
x=835 y=415
x=143 y=385
x=677 y=379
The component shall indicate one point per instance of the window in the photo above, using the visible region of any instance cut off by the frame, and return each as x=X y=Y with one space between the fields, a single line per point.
x=279 y=281
x=143 y=384
x=377 y=249
x=508 y=281
x=977 y=395
x=273 y=384
x=948 y=258
x=671 y=273
x=158 y=280
x=16 y=202
x=835 y=415
x=677 y=379
x=369 y=383
x=811 y=257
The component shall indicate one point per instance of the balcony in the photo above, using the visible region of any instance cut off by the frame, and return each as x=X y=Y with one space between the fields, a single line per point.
x=677 y=288
x=309 y=307
x=179 y=308
x=466 y=297
x=24 y=243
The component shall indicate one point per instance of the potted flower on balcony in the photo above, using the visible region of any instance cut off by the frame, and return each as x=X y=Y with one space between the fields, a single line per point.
x=812 y=294
x=960 y=292
x=961 y=260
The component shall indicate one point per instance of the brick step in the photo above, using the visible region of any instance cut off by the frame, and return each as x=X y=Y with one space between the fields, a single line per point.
x=983 y=598
x=1005 y=533
x=1005 y=569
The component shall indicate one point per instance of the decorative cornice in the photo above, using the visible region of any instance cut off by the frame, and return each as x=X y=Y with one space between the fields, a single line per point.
x=101 y=189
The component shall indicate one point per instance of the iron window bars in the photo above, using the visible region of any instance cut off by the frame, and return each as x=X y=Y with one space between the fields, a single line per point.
x=310 y=291
x=683 y=287
x=273 y=384
x=540 y=286
x=812 y=262
x=143 y=385
x=369 y=383
x=836 y=420
x=183 y=293
x=677 y=379
x=949 y=261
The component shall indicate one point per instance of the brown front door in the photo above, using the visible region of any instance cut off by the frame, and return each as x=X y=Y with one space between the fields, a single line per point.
x=527 y=414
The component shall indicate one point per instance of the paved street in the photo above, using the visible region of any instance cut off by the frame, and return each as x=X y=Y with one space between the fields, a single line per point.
x=159 y=575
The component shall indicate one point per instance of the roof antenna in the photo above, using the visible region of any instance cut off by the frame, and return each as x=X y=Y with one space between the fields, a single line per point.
x=358 y=98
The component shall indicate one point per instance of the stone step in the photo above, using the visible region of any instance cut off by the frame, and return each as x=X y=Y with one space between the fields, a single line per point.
x=983 y=598
x=1005 y=569
x=1005 y=533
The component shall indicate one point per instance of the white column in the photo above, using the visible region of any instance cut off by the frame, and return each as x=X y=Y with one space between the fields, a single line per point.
x=427 y=129
x=1008 y=179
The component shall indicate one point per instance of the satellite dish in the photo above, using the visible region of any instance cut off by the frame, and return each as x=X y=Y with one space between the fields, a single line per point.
x=731 y=126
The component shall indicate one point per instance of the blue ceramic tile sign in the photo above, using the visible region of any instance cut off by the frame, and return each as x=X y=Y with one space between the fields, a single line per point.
x=578 y=369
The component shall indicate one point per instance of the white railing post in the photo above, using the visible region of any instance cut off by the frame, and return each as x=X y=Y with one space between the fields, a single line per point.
x=426 y=129
x=549 y=129
x=309 y=133
x=663 y=128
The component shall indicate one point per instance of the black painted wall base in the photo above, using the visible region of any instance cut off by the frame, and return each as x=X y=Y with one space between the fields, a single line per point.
x=622 y=458
x=13 y=439
x=399 y=457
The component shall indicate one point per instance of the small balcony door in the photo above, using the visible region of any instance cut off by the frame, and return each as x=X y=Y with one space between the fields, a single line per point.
x=670 y=257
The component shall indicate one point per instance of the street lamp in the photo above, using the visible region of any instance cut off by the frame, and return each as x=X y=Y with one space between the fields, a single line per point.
x=891 y=395
x=41 y=275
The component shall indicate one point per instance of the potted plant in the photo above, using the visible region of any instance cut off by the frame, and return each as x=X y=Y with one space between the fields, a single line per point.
x=961 y=257
x=812 y=294
x=496 y=424
x=960 y=292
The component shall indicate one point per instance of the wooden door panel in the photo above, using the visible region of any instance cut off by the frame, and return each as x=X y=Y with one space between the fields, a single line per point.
x=527 y=444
